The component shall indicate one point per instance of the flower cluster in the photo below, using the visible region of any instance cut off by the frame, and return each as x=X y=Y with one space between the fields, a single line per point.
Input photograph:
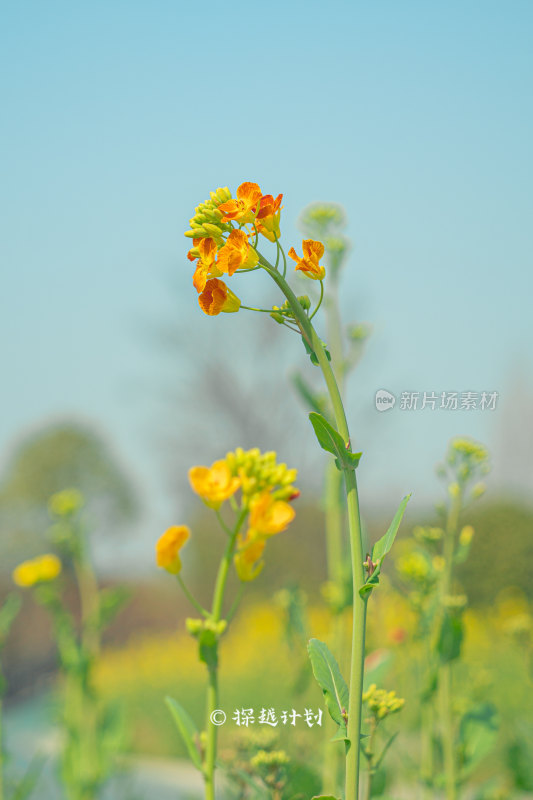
x=265 y=486
x=225 y=231
x=382 y=703
x=42 y=569
x=65 y=503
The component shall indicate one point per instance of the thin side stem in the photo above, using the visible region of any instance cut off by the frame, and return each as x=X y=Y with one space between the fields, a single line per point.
x=190 y=597
x=445 y=670
x=212 y=689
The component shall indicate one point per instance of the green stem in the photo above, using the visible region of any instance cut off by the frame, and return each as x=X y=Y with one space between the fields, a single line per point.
x=212 y=688
x=370 y=750
x=445 y=670
x=426 y=756
x=334 y=529
x=191 y=598
x=356 y=543
x=1 y=749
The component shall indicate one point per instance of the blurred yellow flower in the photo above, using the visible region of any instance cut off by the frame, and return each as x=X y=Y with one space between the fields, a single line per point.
x=236 y=254
x=216 y=297
x=214 y=484
x=37 y=570
x=247 y=559
x=65 y=503
x=466 y=535
x=242 y=209
x=308 y=263
x=168 y=548
x=269 y=516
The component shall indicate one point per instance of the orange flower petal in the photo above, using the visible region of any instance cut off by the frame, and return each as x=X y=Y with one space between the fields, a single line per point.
x=213 y=297
x=313 y=250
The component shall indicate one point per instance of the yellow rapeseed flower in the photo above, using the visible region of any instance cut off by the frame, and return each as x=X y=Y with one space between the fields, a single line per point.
x=236 y=254
x=206 y=267
x=168 y=548
x=242 y=209
x=216 y=297
x=247 y=559
x=42 y=569
x=309 y=262
x=214 y=484
x=268 y=216
x=269 y=516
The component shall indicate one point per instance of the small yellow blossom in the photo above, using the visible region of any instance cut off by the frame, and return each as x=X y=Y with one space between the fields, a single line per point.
x=236 y=254
x=216 y=297
x=309 y=262
x=247 y=559
x=37 y=570
x=168 y=548
x=269 y=516
x=65 y=503
x=214 y=484
x=242 y=209
x=268 y=216
x=206 y=267
x=466 y=535
x=438 y=563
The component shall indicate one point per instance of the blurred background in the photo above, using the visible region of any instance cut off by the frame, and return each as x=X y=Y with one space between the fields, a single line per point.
x=118 y=119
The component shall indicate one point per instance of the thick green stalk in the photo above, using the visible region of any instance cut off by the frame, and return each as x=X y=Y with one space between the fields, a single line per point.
x=356 y=544
x=334 y=529
x=212 y=689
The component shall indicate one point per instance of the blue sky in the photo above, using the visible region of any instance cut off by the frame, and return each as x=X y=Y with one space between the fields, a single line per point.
x=118 y=118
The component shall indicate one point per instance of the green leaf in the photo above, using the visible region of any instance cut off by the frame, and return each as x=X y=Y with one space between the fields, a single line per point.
x=450 y=638
x=111 y=602
x=478 y=732
x=310 y=398
x=311 y=353
x=187 y=729
x=324 y=797
x=383 y=545
x=208 y=648
x=381 y=548
x=332 y=442
x=8 y=612
x=329 y=678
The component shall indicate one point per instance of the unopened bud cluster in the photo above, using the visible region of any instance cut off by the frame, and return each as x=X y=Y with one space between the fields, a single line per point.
x=270 y=759
x=198 y=626
x=207 y=219
x=260 y=471
x=427 y=535
x=280 y=313
x=382 y=703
